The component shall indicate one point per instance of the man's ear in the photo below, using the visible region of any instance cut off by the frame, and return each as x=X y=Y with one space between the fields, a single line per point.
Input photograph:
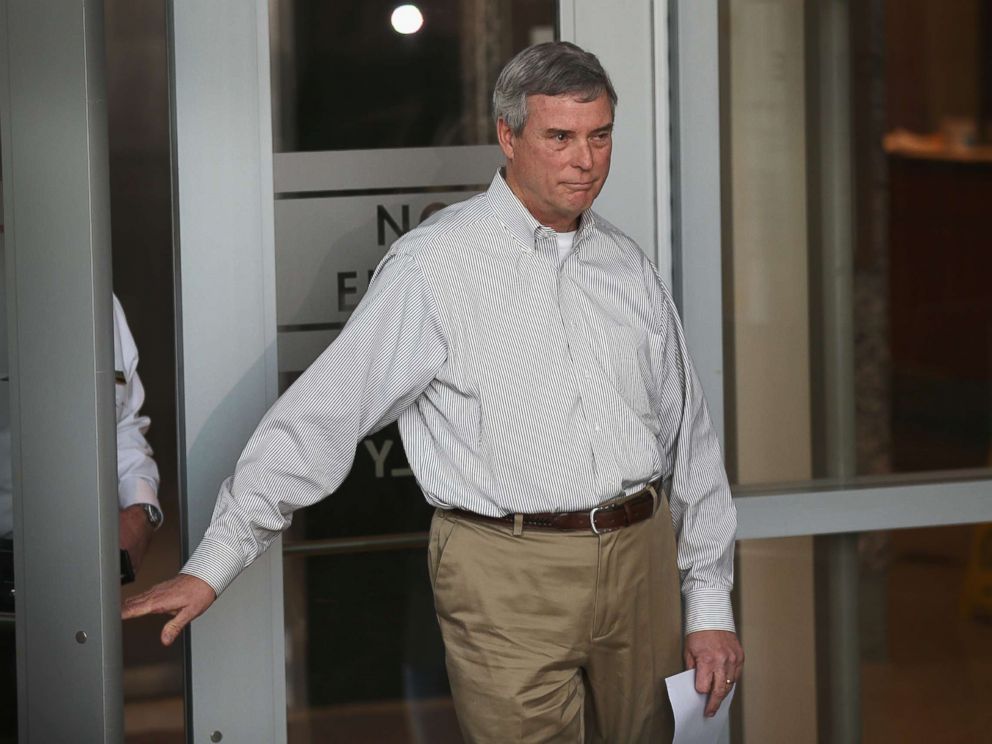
x=505 y=136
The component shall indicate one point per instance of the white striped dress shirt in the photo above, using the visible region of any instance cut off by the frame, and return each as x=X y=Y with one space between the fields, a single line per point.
x=520 y=385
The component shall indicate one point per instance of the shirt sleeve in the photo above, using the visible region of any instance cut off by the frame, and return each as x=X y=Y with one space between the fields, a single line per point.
x=137 y=473
x=703 y=512
x=387 y=354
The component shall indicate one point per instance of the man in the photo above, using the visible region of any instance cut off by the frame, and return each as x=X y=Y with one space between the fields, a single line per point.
x=137 y=473
x=536 y=366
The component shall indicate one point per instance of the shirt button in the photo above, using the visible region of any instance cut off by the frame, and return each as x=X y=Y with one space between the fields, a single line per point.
x=598 y=427
x=587 y=374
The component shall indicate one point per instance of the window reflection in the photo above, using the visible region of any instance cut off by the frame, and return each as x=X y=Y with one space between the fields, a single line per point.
x=344 y=78
x=859 y=173
x=374 y=666
x=921 y=639
x=858 y=342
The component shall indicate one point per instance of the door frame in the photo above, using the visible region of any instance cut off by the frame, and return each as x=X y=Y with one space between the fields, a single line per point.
x=61 y=367
x=222 y=144
x=226 y=346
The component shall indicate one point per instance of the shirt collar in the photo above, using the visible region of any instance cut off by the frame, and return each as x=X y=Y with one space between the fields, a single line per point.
x=518 y=219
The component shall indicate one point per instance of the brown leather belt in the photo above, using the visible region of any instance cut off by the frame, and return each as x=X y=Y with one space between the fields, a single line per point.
x=611 y=516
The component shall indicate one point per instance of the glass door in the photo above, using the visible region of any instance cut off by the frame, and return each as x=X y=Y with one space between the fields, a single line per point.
x=381 y=117
x=846 y=147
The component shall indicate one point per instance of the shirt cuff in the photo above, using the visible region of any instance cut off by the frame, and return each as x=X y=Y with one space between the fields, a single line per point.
x=215 y=563
x=137 y=490
x=708 y=609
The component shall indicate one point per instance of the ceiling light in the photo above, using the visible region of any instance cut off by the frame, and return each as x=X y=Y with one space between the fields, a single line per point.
x=407 y=19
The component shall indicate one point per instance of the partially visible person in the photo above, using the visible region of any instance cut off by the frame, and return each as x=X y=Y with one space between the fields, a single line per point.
x=137 y=474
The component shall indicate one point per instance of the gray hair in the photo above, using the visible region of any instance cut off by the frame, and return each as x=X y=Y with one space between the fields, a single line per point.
x=553 y=68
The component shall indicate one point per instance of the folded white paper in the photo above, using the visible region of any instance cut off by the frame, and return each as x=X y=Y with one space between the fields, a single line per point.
x=691 y=726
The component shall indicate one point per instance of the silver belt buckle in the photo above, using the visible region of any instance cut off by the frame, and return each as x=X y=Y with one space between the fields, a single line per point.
x=592 y=520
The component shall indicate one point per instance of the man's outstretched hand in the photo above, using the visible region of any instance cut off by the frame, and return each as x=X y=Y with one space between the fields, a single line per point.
x=717 y=657
x=184 y=597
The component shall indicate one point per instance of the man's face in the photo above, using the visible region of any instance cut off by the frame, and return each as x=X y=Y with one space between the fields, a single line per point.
x=558 y=164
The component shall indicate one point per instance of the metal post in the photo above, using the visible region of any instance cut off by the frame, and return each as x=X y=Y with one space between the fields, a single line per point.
x=57 y=230
x=696 y=242
x=831 y=236
x=225 y=272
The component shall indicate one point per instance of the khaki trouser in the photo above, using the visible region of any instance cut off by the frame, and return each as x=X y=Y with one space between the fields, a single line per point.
x=558 y=636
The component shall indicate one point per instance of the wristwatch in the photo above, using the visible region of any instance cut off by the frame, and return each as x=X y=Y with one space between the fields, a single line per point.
x=153 y=515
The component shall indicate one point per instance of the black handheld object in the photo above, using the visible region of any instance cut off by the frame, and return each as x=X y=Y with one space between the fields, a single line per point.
x=6 y=575
x=127 y=569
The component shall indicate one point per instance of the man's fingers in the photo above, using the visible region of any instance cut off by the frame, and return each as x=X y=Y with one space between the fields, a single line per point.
x=720 y=690
x=154 y=601
x=704 y=678
x=718 y=658
x=184 y=598
x=738 y=666
x=137 y=606
x=175 y=626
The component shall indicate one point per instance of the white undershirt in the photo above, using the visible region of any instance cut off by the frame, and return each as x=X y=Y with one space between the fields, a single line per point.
x=565 y=240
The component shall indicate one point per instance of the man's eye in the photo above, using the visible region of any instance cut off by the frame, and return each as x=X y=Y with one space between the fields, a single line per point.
x=561 y=137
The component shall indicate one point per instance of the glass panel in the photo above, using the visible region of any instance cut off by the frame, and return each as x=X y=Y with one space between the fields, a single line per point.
x=364 y=655
x=141 y=235
x=359 y=75
x=916 y=650
x=8 y=650
x=858 y=169
x=374 y=666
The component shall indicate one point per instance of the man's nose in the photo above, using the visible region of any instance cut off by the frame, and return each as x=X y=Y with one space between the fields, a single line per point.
x=582 y=157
